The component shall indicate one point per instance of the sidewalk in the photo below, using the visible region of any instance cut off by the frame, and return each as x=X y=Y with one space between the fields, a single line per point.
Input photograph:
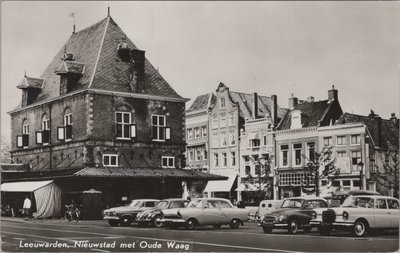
x=52 y=221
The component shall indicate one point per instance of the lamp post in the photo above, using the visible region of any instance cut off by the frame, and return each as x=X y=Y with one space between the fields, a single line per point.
x=361 y=166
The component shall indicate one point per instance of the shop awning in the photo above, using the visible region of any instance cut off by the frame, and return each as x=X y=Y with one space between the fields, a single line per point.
x=253 y=136
x=146 y=173
x=250 y=187
x=221 y=185
x=29 y=186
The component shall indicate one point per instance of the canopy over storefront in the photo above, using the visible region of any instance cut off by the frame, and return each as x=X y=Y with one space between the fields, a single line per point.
x=221 y=185
x=46 y=194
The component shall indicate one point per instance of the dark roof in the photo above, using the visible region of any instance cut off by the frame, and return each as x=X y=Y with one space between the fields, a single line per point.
x=389 y=130
x=71 y=67
x=312 y=113
x=244 y=101
x=30 y=82
x=202 y=102
x=13 y=167
x=96 y=48
x=146 y=173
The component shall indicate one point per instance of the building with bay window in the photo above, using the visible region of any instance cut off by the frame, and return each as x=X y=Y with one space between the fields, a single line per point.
x=101 y=117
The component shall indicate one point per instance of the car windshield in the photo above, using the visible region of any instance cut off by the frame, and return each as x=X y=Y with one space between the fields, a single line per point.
x=162 y=204
x=292 y=203
x=135 y=203
x=195 y=204
x=354 y=201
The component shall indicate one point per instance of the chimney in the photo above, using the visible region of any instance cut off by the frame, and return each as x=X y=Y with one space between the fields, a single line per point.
x=274 y=109
x=310 y=99
x=293 y=101
x=394 y=119
x=255 y=105
x=332 y=94
x=137 y=70
x=377 y=132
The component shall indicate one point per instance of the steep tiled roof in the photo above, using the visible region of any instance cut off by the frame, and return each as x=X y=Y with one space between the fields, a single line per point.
x=312 y=113
x=30 y=82
x=71 y=67
x=244 y=101
x=96 y=48
x=389 y=130
x=202 y=102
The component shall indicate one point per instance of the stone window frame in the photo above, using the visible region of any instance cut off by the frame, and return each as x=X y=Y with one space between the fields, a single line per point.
x=123 y=124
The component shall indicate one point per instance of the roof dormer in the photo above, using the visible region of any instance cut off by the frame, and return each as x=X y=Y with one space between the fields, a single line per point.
x=69 y=71
x=31 y=88
x=295 y=119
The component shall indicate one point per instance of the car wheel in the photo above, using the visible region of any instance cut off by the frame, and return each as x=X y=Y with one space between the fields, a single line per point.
x=306 y=229
x=324 y=230
x=293 y=226
x=156 y=221
x=235 y=223
x=126 y=221
x=191 y=224
x=113 y=223
x=360 y=228
x=267 y=230
x=216 y=226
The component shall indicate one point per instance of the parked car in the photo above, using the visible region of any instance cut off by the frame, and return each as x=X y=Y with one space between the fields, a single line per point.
x=295 y=213
x=125 y=215
x=154 y=215
x=359 y=214
x=339 y=197
x=205 y=211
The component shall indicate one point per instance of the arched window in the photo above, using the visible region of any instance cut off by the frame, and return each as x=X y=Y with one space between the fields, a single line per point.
x=23 y=140
x=45 y=129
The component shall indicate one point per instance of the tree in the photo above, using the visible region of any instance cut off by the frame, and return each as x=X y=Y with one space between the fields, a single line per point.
x=388 y=175
x=320 y=165
x=5 y=156
x=261 y=184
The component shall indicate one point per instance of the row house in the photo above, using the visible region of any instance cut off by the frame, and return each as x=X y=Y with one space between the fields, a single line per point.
x=227 y=114
x=100 y=117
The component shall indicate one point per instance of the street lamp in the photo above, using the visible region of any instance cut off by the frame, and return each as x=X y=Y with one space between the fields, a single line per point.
x=361 y=166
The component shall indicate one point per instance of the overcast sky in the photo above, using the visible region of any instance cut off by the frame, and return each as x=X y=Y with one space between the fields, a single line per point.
x=269 y=47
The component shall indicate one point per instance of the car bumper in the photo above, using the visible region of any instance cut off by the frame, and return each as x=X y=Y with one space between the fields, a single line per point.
x=173 y=221
x=273 y=225
x=111 y=218
x=332 y=224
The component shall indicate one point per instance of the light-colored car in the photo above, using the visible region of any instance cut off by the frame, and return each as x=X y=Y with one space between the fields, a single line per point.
x=205 y=211
x=359 y=214
x=125 y=215
x=153 y=216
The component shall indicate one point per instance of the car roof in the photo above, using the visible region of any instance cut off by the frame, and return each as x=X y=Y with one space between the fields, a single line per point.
x=373 y=196
x=174 y=199
x=146 y=199
x=307 y=198
x=355 y=192
x=212 y=199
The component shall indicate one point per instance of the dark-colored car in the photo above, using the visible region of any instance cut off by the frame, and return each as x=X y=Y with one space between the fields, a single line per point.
x=294 y=214
x=339 y=197
x=153 y=216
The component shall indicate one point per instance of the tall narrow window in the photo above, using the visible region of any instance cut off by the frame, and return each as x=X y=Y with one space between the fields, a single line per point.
x=223 y=105
x=45 y=130
x=284 y=155
x=23 y=140
x=355 y=160
x=204 y=131
x=68 y=126
x=224 y=160
x=232 y=139
x=311 y=150
x=158 y=127
x=231 y=119
x=297 y=154
x=216 y=162
x=215 y=140
x=223 y=120
x=190 y=133
x=355 y=139
x=122 y=123
x=328 y=141
x=341 y=140
x=224 y=140
x=233 y=159
x=214 y=121
x=197 y=132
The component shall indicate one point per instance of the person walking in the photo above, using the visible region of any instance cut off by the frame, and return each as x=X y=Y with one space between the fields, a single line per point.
x=27 y=207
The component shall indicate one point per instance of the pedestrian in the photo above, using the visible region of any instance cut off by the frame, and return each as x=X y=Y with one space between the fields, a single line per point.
x=27 y=207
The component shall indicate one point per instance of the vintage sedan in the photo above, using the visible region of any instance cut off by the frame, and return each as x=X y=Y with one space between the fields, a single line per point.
x=205 y=211
x=294 y=214
x=153 y=216
x=125 y=215
x=359 y=214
